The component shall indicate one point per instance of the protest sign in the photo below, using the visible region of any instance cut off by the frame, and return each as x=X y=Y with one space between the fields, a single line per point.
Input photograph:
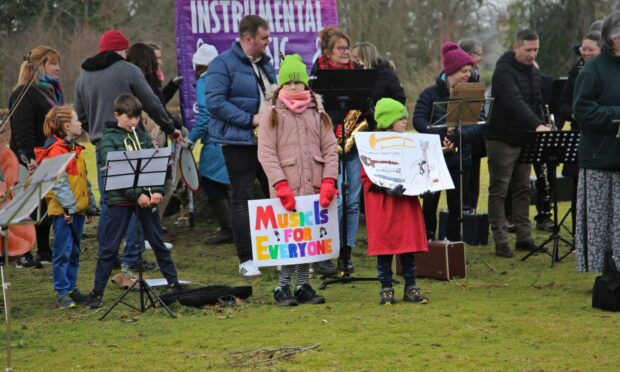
x=412 y=159
x=280 y=237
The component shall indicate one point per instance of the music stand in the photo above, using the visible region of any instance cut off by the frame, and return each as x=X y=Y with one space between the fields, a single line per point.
x=462 y=110
x=552 y=148
x=344 y=90
x=17 y=212
x=131 y=169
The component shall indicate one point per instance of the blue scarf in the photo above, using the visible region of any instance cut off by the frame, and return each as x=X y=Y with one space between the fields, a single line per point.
x=52 y=89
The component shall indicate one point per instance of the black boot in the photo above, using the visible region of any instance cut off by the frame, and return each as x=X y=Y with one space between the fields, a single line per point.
x=345 y=265
x=221 y=211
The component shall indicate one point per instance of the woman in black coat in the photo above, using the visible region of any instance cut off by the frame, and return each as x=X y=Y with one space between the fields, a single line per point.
x=387 y=84
x=37 y=91
x=457 y=69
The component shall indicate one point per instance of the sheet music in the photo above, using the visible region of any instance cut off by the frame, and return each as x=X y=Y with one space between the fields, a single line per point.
x=122 y=168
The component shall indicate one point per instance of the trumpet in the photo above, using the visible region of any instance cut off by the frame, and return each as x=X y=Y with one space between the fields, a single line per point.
x=133 y=144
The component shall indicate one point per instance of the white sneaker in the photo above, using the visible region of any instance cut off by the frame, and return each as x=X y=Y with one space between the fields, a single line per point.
x=248 y=269
x=168 y=246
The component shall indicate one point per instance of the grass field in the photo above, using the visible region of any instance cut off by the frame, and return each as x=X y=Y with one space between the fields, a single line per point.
x=506 y=315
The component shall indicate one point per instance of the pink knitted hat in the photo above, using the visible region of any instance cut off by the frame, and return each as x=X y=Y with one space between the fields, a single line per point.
x=454 y=58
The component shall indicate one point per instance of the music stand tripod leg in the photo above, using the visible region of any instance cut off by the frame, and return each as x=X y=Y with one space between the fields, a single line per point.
x=146 y=293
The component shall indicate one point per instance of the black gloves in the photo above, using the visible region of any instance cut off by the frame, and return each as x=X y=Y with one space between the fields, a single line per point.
x=398 y=190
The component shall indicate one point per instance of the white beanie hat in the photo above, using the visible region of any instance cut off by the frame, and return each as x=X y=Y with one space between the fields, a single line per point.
x=204 y=55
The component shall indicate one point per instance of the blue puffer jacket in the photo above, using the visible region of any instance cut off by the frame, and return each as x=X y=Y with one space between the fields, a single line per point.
x=211 y=163
x=233 y=96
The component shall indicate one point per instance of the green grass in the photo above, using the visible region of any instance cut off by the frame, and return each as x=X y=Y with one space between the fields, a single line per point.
x=507 y=315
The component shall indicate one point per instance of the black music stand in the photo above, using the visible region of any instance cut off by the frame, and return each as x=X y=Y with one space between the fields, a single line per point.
x=460 y=113
x=552 y=148
x=344 y=90
x=143 y=168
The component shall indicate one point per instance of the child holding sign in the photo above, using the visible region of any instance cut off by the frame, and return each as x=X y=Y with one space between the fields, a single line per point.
x=297 y=149
x=394 y=222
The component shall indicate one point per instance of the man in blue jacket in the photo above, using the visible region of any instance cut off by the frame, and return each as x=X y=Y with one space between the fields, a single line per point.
x=236 y=84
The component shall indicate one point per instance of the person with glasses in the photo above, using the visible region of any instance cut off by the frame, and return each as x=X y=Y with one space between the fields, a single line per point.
x=336 y=54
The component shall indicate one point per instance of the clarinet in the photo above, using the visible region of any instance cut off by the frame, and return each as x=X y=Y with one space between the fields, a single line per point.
x=543 y=167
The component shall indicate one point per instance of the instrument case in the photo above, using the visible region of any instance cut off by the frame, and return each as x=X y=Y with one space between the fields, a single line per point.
x=444 y=260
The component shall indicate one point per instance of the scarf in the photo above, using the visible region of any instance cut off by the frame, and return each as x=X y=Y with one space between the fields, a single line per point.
x=296 y=102
x=51 y=89
x=325 y=63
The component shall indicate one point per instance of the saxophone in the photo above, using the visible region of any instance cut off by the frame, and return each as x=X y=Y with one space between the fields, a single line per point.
x=351 y=126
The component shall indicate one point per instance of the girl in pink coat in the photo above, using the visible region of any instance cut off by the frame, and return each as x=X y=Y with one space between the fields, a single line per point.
x=297 y=149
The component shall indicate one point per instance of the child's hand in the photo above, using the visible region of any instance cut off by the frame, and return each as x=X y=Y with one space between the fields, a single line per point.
x=156 y=198
x=328 y=191
x=287 y=198
x=144 y=201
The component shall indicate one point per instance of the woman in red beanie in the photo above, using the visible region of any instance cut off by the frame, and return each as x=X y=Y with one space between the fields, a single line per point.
x=457 y=66
x=38 y=89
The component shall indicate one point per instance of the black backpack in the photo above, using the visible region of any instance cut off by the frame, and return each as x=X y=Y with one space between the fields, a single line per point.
x=606 y=290
x=209 y=295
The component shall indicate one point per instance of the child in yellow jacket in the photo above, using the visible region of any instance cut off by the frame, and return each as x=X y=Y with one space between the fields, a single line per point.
x=69 y=200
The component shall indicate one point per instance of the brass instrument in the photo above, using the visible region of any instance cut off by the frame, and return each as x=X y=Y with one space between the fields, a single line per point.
x=351 y=126
x=133 y=144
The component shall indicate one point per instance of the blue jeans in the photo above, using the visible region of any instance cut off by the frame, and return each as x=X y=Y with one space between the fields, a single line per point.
x=134 y=238
x=66 y=252
x=352 y=166
x=115 y=227
x=384 y=269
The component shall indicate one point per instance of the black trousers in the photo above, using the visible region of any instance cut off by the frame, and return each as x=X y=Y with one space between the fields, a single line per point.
x=429 y=209
x=243 y=168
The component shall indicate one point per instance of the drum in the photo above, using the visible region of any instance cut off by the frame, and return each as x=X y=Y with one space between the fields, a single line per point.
x=189 y=170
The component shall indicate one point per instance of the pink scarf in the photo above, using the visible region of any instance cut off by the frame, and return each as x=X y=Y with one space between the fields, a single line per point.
x=296 y=102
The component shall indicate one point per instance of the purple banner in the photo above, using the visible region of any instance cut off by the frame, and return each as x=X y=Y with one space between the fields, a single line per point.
x=294 y=27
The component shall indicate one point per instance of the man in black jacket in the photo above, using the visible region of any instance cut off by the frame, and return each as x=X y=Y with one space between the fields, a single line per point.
x=517 y=110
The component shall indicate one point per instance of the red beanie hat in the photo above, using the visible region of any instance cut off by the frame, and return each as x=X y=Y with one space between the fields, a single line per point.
x=454 y=58
x=113 y=40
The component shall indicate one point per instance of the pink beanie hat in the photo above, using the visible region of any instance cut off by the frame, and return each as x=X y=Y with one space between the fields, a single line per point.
x=454 y=58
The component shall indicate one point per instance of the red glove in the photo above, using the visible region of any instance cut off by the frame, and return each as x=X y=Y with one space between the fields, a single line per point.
x=339 y=131
x=328 y=191
x=287 y=198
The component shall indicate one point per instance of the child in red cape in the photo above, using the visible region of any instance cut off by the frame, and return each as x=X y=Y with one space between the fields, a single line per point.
x=394 y=222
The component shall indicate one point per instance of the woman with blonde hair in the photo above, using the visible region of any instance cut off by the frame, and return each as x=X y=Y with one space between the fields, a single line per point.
x=38 y=90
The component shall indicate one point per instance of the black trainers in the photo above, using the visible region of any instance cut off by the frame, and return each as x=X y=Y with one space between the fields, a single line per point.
x=307 y=295
x=387 y=296
x=177 y=287
x=324 y=268
x=284 y=297
x=79 y=297
x=146 y=266
x=526 y=245
x=95 y=300
x=28 y=262
x=546 y=224
x=414 y=294
x=44 y=259
x=503 y=250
